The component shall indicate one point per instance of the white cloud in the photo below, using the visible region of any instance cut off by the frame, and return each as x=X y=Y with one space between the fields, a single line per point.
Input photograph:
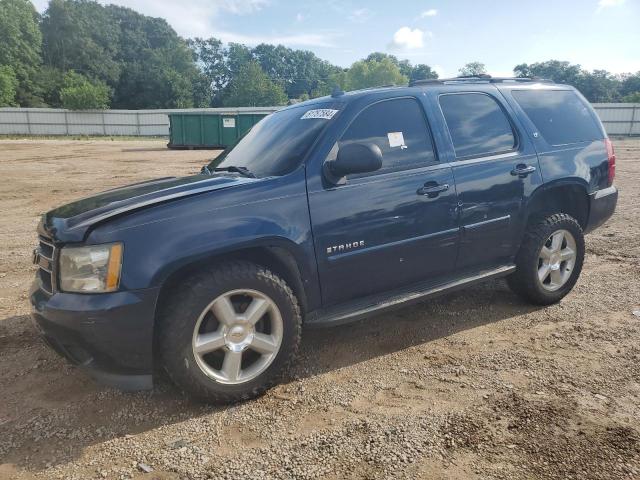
x=602 y=4
x=299 y=17
x=360 y=15
x=432 y=12
x=406 y=38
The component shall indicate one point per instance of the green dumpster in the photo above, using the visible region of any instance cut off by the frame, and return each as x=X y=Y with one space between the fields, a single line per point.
x=212 y=128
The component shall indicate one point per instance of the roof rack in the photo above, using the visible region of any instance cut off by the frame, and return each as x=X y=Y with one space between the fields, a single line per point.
x=475 y=78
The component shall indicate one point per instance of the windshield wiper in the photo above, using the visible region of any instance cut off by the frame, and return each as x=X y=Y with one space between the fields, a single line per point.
x=244 y=171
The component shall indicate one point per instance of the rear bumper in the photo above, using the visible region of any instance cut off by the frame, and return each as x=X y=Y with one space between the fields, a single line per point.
x=108 y=335
x=602 y=204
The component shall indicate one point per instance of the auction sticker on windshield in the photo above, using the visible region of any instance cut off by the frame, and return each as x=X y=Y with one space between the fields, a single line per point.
x=326 y=113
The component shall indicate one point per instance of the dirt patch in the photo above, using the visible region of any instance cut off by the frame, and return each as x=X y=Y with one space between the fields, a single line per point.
x=472 y=385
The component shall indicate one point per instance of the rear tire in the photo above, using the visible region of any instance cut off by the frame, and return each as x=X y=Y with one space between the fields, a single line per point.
x=230 y=334
x=550 y=259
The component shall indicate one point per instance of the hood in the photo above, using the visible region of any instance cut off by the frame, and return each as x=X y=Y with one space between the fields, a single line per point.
x=70 y=222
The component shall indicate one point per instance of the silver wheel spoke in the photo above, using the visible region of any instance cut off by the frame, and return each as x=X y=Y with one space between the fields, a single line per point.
x=543 y=273
x=556 y=277
x=224 y=311
x=545 y=253
x=209 y=342
x=567 y=254
x=231 y=365
x=262 y=343
x=556 y=241
x=256 y=310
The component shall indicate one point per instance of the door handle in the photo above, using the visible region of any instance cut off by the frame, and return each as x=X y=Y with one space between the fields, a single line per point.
x=523 y=170
x=432 y=189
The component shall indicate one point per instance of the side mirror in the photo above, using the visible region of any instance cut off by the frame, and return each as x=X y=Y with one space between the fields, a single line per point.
x=355 y=158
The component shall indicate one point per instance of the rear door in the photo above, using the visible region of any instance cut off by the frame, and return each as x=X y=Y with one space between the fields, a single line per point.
x=495 y=168
x=392 y=227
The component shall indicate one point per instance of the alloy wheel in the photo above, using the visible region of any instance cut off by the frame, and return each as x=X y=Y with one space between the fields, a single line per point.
x=237 y=336
x=556 y=260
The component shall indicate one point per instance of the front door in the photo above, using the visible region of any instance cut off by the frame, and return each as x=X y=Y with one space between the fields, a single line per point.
x=392 y=227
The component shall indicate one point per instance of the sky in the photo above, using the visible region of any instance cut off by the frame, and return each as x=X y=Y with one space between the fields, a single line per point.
x=598 y=34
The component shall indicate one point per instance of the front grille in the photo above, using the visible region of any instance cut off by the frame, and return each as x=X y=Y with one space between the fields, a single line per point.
x=46 y=261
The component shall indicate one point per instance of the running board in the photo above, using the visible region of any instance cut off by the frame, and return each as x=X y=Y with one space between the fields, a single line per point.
x=353 y=311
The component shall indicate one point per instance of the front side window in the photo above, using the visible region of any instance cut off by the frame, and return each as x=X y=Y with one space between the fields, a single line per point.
x=560 y=115
x=477 y=124
x=399 y=128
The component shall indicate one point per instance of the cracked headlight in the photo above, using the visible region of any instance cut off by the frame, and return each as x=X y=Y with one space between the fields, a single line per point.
x=91 y=269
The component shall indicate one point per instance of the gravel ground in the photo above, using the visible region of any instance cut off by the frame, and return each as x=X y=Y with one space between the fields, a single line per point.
x=472 y=385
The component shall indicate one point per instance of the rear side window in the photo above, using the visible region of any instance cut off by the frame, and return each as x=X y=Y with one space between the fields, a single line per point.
x=477 y=124
x=560 y=115
x=399 y=128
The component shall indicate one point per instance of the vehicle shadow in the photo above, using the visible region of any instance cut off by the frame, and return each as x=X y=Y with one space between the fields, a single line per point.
x=327 y=349
x=41 y=397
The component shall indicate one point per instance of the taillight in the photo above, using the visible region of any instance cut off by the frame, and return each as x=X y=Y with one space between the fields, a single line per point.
x=611 y=158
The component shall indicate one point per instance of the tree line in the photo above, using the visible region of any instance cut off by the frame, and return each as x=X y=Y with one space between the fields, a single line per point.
x=79 y=54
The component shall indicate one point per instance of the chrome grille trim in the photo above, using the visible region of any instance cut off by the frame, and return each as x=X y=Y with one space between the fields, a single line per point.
x=48 y=251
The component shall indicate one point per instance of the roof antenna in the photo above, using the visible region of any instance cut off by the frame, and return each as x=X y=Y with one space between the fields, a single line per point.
x=337 y=92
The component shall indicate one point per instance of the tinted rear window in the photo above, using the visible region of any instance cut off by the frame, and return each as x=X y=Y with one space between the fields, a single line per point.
x=560 y=115
x=477 y=124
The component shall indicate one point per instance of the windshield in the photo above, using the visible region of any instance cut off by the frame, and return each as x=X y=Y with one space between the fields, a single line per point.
x=277 y=144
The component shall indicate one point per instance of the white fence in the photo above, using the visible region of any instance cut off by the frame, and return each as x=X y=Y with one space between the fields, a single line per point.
x=144 y=123
x=618 y=119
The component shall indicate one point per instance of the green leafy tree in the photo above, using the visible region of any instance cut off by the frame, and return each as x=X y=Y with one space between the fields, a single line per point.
x=370 y=73
x=79 y=93
x=20 y=43
x=50 y=81
x=142 y=59
x=599 y=86
x=631 y=97
x=8 y=86
x=298 y=71
x=251 y=87
x=596 y=86
x=412 y=72
x=558 y=71
x=630 y=84
x=81 y=36
x=210 y=56
x=473 y=68
x=422 y=72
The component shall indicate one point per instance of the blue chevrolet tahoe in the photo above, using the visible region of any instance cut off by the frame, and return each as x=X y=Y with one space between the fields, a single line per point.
x=325 y=212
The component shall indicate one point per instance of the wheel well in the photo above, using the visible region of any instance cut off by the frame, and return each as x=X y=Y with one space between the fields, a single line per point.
x=277 y=259
x=570 y=199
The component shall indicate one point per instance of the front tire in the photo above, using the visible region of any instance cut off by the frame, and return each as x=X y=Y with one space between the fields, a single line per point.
x=550 y=259
x=230 y=334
